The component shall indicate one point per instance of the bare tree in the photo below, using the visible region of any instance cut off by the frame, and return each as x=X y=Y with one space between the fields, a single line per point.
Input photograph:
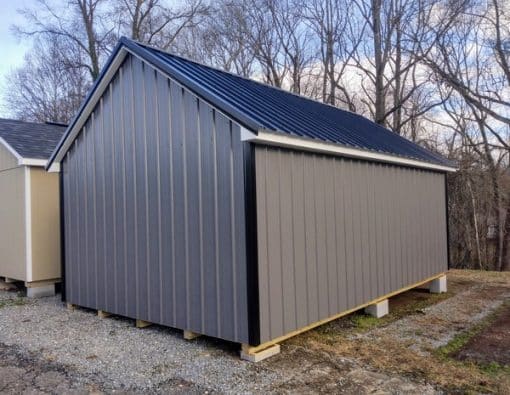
x=83 y=26
x=45 y=88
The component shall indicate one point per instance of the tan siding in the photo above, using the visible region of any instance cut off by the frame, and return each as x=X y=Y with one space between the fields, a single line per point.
x=45 y=214
x=7 y=159
x=12 y=224
x=335 y=233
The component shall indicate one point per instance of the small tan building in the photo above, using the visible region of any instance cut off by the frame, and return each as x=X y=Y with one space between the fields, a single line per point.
x=29 y=209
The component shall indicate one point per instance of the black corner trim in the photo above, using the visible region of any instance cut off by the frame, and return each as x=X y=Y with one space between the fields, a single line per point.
x=62 y=234
x=250 y=199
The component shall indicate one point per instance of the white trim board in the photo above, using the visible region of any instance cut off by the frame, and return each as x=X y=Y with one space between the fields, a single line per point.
x=284 y=140
x=28 y=225
x=91 y=104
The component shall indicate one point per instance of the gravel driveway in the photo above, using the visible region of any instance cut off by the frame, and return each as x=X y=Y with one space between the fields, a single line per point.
x=45 y=348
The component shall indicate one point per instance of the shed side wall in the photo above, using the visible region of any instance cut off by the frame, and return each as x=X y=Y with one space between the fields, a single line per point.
x=154 y=208
x=12 y=219
x=45 y=221
x=335 y=233
x=7 y=159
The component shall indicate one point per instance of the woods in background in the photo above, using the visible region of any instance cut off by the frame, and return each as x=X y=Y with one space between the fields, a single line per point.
x=434 y=71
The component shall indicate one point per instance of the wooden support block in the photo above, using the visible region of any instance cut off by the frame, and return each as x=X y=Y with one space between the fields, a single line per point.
x=70 y=306
x=9 y=280
x=142 y=324
x=189 y=335
x=103 y=314
x=248 y=353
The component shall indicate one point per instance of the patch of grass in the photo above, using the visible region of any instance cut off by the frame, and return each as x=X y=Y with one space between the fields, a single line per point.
x=19 y=301
x=461 y=339
x=364 y=321
x=495 y=369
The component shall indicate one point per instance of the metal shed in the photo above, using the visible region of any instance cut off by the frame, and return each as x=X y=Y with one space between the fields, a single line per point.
x=29 y=209
x=204 y=201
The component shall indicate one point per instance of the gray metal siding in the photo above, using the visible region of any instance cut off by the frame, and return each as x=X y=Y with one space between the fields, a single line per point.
x=154 y=208
x=335 y=233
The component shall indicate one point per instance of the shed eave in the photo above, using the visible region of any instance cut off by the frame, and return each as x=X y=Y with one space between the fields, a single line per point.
x=288 y=141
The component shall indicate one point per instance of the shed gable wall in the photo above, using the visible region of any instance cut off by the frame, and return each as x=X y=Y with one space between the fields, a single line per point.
x=336 y=233
x=7 y=159
x=154 y=208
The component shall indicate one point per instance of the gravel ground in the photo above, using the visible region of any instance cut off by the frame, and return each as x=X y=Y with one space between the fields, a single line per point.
x=45 y=348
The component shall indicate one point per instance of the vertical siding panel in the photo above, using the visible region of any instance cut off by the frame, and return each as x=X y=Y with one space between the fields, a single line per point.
x=331 y=237
x=166 y=236
x=298 y=234
x=349 y=233
x=152 y=130
x=208 y=199
x=179 y=204
x=274 y=243
x=287 y=244
x=109 y=203
x=320 y=229
x=225 y=201
x=239 y=259
x=194 y=236
x=374 y=257
x=310 y=240
x=262 y=237
x=140 y=161
x=94 y=249
x=131 y=195
x=119 y=194
x=340 y=224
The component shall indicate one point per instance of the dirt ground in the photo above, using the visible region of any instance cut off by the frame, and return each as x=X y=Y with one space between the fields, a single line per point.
x=457 y=342
x=492 y=344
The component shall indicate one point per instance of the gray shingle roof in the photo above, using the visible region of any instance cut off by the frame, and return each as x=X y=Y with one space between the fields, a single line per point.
x=31 y=140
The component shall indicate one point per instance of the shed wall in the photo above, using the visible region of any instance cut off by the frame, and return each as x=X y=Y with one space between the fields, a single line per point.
x=45 y=224
x=7 y=159
x=335 y=233
x=13 y=260
x=154 y=208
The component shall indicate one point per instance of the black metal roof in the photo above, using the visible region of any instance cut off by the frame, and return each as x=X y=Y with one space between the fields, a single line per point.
x=259 y=106
x=280 y=111
x=31 y=140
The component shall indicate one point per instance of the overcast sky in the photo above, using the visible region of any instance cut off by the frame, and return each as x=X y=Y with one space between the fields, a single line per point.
x=11 y=49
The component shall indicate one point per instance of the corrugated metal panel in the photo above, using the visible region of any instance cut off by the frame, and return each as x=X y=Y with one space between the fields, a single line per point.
x=154 y=208
x=335 y=233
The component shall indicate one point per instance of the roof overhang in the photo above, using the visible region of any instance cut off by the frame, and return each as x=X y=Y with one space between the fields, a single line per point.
x=284 y=140
x=123 y=48
x=252 y=131
x=29 y=161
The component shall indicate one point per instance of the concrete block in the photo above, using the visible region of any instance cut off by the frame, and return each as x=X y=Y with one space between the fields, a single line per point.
x=379 y=309
x=41 y=291
x=262 y=354
x=438 y=285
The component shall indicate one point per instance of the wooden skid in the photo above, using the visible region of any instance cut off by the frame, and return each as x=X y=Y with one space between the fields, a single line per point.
x=189 y=335
x=255 y=349
x=103 y=314
x=142 y=324
x=248 y=353
x=70 y=306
